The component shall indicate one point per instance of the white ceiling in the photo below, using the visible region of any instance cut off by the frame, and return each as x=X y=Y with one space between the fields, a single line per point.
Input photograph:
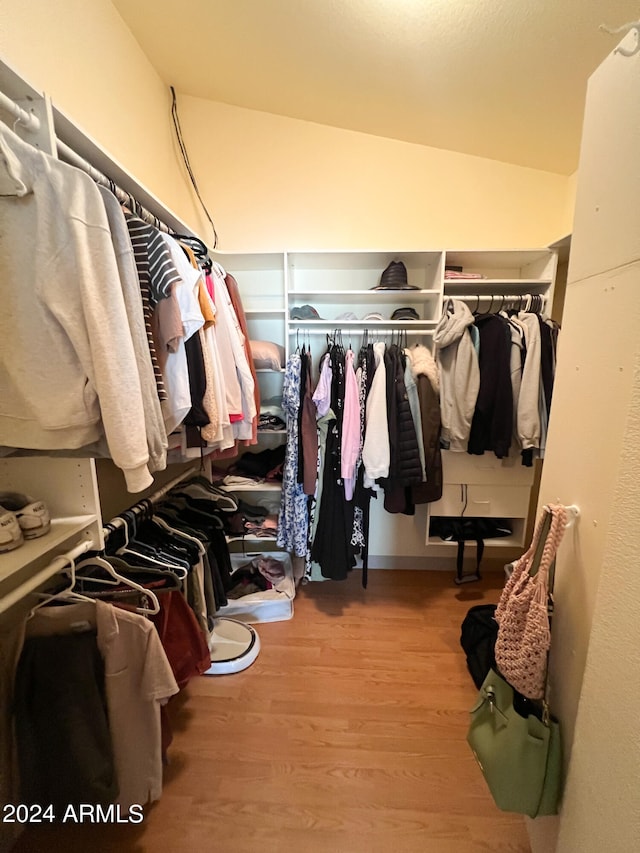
x=504 y=79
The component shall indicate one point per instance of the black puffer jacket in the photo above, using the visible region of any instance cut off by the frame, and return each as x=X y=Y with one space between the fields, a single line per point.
x=404 y=468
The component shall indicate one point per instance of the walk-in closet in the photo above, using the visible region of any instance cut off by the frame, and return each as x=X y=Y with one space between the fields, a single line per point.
x=318 y=427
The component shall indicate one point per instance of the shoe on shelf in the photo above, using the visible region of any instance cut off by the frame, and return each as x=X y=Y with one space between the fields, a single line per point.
x=10 y=534
x=32 y=515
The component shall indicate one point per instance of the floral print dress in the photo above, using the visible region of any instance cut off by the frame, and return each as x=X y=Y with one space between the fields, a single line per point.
x=293 y=518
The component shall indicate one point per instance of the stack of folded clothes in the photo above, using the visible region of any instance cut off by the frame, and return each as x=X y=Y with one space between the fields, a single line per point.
x=257 y=467
x=250 y=520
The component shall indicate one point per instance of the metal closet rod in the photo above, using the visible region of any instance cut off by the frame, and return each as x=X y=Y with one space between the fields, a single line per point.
x=118 y=521
x=28 y=120
x=70 y=156
x=485 y=297
x=354 y=330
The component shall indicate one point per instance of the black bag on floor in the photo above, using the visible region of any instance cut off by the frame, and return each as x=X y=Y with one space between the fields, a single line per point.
x=478 y=639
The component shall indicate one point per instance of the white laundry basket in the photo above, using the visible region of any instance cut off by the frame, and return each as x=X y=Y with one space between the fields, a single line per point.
x=272 y=605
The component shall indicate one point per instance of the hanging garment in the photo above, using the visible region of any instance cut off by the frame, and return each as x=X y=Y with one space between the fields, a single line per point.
x=350 y=450
x=157 y=275
x=238 y=377
x=529 y=426
x=313 y=572
x=427 y=378
x=182 y=640
x=518 y=354
x=331 y=547
x=414 y=405
x=153 y=420
x=234 y=295
x=68 y=329
x=64 y=746
x=406 y=469
x=308 y=439
x=293 y=517
x=492 y=424
x=138 y=681
x=376 y=451
x=459 y=374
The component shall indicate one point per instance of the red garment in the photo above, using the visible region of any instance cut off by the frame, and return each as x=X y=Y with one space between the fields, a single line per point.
x=181 y=637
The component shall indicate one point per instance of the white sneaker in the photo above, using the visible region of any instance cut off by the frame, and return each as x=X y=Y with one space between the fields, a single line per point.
x=10 y=534
x=33 y=516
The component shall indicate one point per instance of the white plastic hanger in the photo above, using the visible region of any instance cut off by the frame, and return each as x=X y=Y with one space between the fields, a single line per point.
x=122 y=579
x=66 y=594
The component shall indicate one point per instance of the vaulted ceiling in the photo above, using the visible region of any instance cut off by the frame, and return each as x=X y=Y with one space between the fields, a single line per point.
x=503 y=79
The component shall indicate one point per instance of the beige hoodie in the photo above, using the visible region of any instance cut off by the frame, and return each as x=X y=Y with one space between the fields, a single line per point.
x=68 y=368
x=459 y=374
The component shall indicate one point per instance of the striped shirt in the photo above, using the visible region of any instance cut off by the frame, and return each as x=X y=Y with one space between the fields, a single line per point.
x=157 y=275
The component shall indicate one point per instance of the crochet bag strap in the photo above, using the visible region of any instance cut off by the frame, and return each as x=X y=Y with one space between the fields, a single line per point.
x=523 y=566
x=552 y=530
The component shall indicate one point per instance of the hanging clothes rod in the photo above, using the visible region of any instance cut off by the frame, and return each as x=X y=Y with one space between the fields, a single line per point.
x=28 y=120
x=69 y=156
x=495 y=297
x=118 y=521
x=354 y=330
x=58 y=564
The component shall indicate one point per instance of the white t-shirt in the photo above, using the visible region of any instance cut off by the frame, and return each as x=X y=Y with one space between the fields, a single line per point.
x=175 y=373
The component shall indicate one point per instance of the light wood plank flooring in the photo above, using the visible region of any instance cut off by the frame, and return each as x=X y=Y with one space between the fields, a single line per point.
x=346 y=736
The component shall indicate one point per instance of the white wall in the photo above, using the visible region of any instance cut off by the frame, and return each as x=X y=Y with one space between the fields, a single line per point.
x=83 y=55
x=272 y=182
x=593 y=460
x=279 y=183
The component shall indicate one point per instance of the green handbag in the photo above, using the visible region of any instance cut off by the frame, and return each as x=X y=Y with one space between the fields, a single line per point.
x=520 y=756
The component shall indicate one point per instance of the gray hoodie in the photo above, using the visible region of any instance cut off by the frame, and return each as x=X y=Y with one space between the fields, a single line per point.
x=459 y=374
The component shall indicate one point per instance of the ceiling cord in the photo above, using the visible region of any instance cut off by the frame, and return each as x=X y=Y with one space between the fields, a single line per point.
x=185 y=157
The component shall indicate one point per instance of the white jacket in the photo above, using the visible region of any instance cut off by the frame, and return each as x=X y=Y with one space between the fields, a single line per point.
x=376 y=453
x=68 y=367
x=459 y=374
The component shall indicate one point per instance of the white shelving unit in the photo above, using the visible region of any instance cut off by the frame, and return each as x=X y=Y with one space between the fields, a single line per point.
x=70 y=490
x=337 y=282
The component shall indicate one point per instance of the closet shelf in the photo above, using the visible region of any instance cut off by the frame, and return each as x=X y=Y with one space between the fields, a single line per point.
x=484 y=285
x=368 y=295
x=61 y=532
x=269 y=370
x=514 y=541
x=264 y=312
x=263 y=539
x=250 y=487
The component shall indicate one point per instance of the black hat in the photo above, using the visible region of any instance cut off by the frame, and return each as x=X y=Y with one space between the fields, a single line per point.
x=394 y=278
x=407 y=313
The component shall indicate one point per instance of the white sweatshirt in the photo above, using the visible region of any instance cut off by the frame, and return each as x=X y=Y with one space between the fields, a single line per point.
x=68 y=367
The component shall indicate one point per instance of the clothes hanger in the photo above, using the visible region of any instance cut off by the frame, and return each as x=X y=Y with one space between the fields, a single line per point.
x=122 y=579
x=67 y=594
x=124 y=549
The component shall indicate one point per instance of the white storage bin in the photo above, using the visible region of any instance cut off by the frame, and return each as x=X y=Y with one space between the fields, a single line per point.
x=272 y=605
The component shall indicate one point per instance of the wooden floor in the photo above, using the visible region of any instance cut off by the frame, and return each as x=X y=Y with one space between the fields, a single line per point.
x=346 y=736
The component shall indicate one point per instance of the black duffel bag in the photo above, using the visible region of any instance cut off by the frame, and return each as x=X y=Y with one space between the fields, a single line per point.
x=461 y=529
x=478 y=639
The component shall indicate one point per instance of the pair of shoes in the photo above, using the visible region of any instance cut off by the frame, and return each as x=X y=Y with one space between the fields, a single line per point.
x=21 y=517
